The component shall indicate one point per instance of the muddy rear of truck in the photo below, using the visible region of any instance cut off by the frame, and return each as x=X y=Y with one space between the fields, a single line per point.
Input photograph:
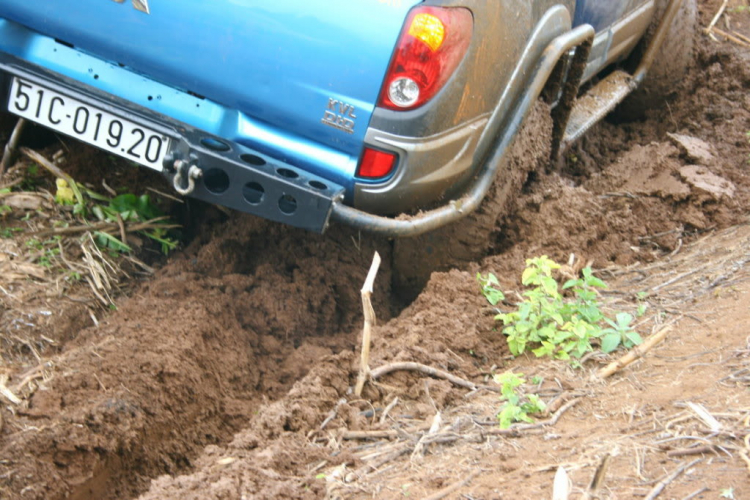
x=306 y=112
x=259 y=106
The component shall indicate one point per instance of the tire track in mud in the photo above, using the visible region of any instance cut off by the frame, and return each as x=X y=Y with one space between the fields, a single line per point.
x=188 y=359
x=449 y=326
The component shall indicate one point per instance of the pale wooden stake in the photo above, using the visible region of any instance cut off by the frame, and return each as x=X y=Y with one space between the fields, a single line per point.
x=561 y=486
x=370 y=321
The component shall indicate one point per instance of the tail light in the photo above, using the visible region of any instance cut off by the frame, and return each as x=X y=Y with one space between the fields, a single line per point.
x=432 y=44
x=375 y=164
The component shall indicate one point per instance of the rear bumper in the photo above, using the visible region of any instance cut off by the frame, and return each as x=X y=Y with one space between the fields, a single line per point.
x=231 y=174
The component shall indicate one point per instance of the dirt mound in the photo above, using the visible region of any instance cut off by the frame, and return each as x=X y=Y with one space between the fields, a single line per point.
x=185 y=361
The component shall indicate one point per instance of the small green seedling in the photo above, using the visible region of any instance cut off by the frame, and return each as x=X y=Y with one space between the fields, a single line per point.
x=620 y=332
x=489 y=286
x=518 y=406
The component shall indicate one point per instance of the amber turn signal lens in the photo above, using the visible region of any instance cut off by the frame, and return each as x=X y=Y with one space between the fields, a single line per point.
x=429 y=29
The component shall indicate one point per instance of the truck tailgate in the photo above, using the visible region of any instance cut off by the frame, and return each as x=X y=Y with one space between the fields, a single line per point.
x=285 y=62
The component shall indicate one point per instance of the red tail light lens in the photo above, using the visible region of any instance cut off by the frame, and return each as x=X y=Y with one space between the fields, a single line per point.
x=375 y=164
x=432 y=44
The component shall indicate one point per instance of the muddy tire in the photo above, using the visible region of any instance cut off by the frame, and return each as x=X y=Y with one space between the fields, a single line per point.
x=670 y=65
x=467 y=240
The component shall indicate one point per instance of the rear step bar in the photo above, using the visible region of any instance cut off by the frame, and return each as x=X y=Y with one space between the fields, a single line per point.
x=595 y=104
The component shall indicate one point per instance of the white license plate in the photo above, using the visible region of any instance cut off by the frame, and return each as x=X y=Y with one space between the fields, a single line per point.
x=88 y=123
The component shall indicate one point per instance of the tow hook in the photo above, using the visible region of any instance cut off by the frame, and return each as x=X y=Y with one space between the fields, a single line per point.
x=183 y=170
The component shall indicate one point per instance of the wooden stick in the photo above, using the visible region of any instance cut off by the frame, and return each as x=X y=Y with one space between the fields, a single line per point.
x=453 y=487
x=733 y=38
x=7 y=392
x=106 y=227
x=717 y=16
x=384 y=434
x=698 y=450
x=598 y=480
x=370 y=321
x=10 y=147
x=741 y=36
x=656 y=491
x=433 y=372
x=636 y=353
x=695 y=493
x=44 y=162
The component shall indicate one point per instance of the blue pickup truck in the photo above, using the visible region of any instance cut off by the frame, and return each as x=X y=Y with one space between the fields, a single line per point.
x=307 y=112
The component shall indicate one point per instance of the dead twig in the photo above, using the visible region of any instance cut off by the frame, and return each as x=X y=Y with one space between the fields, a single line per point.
x=370 y=321
x=695 y=493
x=698 y=450
x=731 y=37
x=517 y=428
x=106 y=227
x=656 y=491
x=10 y=147
x=7 y=393
x=453 y=487
x=598 y=480
x=388 y=409
x=44 y=162
x=717 y=16
x=433 y=372
x=332 y=414
x=385 y=434
x=636 y=353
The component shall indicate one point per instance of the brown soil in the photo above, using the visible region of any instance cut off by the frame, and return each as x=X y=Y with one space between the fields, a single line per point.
x=228 y=373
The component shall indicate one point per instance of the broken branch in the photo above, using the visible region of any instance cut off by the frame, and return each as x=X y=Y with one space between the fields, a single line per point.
x=656 y=491
x=433 y=372
x=636 y=353
x=370 y=321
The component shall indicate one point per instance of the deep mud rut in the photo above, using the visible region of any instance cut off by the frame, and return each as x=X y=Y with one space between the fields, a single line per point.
x=214 y=378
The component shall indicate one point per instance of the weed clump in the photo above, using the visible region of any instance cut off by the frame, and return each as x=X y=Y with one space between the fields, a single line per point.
x=549 y=323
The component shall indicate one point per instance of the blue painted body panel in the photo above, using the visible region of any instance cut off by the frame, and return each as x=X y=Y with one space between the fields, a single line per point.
x=601 y=14
x=267 y=69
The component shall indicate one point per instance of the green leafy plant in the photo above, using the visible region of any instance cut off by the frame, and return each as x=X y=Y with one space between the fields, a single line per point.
x=131 y=208
x=620 y=332
x=122 y=208
x=518 y=406
x=489 y=290
x=550 y=324
x=46 y=250
x=7 y=232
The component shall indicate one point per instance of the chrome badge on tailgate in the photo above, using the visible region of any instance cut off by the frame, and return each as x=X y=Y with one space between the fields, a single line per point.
x=141 y=5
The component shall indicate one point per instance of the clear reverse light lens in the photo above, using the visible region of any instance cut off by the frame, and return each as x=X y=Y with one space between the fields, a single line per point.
x=403 y=92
